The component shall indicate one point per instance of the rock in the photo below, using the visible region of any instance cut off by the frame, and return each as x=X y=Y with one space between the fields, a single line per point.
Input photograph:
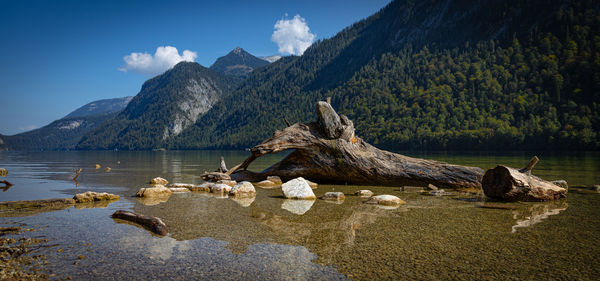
x=298 y=207
x=107 y=169
x=220 y=188
x=386 y=200
x=181 y=185
x=215 y=176
x=432 y=187
x=333 y=196
x=3 y=172
x=159 y=180
x=231 y=183
x=179 y=189
x=561 y=183
x=91 y=196
x=595 y=187
x=267 y=184
x=312 y=184
x=98 y=166
x=244 y=201
x=297 y=188
x=205 y=187
x=275 y=179
x=243 y=189
x=154 y=191
x=118 y=162
x=364 y=193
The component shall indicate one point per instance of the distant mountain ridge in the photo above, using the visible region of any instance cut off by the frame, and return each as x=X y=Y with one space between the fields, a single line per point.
x=238 y=62
x=66 y=132
x=99 y=107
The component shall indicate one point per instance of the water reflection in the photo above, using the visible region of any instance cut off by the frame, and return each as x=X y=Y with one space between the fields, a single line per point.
x=244 y=201
x=537 y=213
x=298 y=207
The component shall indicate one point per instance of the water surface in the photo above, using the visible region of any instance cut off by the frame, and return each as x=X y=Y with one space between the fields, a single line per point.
x=210 y=237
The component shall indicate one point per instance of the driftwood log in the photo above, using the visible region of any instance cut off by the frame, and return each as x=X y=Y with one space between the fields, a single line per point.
x=327 y=151
x=510 y=184
x=153 y=224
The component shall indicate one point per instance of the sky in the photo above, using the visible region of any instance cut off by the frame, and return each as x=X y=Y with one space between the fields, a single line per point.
x=59 y=55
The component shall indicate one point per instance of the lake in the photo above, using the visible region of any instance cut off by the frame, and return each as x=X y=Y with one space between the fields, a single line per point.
x=270 y=238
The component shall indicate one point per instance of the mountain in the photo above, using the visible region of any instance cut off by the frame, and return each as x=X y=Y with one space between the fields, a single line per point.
x=166 y=105
x=433 y=74
x=238 y=63
x=66 y=132
x=271 y=59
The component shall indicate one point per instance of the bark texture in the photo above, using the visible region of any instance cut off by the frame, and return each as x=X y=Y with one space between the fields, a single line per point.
x=510 y=184
x=327 y=151
x=153 y=224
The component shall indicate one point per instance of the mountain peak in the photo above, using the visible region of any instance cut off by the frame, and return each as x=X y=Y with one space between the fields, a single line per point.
x=238 y=62
x=238 y=51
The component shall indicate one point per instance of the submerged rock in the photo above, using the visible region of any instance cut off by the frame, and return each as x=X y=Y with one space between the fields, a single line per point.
x=159 y=180
x=243 y=189
x=3 y=172
x=412 y=188
x=91 y=196
x=333 y=196
x=386 y=200
x=154 y=191
x=297 y=188
x=298 y=207
x=364 y=193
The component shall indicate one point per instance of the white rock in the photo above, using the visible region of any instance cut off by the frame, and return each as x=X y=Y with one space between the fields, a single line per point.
x=297 y=188
x=243 y=189
x=385 y=199
x=180 y=185
x=231 y=183
x=179 y=189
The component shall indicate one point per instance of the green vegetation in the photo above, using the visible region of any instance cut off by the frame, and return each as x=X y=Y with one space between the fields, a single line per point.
x=522 y=75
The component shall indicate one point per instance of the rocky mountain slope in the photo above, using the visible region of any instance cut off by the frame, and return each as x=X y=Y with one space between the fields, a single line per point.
x=166 y=105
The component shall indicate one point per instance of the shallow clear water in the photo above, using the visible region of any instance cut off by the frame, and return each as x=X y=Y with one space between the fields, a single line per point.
x=271 y=238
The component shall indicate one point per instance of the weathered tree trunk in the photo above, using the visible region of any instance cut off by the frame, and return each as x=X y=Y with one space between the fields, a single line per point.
x=327 y=151
x=153 y=224
x=510 y=184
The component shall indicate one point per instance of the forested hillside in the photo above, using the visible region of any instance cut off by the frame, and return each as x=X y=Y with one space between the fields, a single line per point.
x=434 y=75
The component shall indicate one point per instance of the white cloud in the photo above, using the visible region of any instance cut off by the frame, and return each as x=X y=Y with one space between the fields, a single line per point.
x=292 y=35
x=164 y=58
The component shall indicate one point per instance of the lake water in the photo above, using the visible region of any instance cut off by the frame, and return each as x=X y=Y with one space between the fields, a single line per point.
x=270 y=238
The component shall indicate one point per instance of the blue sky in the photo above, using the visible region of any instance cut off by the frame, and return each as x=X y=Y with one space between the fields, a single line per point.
x=59 y=55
